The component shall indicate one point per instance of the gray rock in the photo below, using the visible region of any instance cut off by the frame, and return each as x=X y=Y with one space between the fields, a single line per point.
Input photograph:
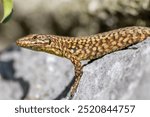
x=9 y=90
x=48 y=75
x=123 y=74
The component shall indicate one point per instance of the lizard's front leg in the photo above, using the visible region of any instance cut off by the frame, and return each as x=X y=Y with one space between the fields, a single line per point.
x=78 y=71
x=78 y=74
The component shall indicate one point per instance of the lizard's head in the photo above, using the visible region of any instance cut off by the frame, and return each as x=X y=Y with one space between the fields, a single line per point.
x=39 y=42
x=33 y=41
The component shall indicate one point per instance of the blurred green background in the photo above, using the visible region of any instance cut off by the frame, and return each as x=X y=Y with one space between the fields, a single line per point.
x=72 y=17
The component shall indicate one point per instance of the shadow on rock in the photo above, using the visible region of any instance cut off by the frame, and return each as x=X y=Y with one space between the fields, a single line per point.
x=7 y=72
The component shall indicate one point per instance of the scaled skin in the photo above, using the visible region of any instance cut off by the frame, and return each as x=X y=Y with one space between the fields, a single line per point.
x=86 y=47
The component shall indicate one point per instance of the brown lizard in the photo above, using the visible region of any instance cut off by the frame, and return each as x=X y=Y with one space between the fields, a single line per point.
x=85 y=47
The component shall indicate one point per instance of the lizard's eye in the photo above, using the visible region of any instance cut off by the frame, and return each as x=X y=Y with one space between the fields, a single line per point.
x=49 y=42
x=34 y=37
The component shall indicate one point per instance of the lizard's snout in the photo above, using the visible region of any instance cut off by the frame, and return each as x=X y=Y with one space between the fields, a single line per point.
x=18 y=42
x=22 y=43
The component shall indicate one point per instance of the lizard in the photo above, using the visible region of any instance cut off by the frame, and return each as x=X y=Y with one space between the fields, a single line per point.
x=81 y=48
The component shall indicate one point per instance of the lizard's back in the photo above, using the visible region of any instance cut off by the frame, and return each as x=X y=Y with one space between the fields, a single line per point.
x=94 y=46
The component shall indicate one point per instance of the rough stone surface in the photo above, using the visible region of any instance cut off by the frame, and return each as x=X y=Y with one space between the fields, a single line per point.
x=47 y=74
x=9 y=90
x=121 y=75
